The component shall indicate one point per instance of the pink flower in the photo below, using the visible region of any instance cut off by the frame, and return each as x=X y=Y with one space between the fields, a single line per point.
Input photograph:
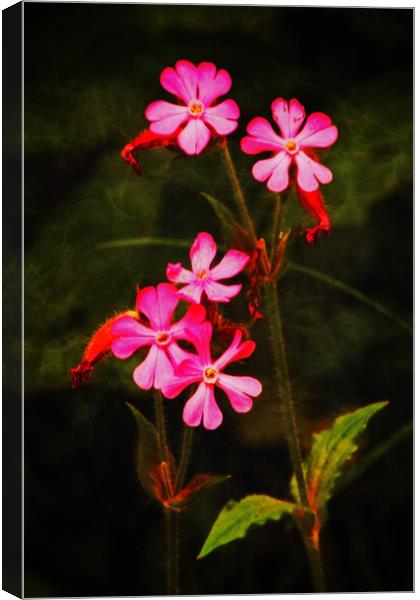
x=208 y=373
x=158 y=305
x=202 y=278
x=293 y=146
x=197 y=88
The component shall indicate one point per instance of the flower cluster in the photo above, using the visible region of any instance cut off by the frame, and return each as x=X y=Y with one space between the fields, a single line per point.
x=167 y=366
x=195 y=120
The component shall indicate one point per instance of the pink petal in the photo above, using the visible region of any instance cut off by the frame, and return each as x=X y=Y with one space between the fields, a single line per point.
x=177 y=273
x=191 y=293
x=321 y=139
x=211 y=84
x=276 y=169
x=223 y=117
x=133 y=336
x=186 y=373
x=236 y=351
x=212 y=415
x=169 y=125
x=280 y=109
x=202 y=252
x=144 y=374
x=233 y=262
x=167 y=298
x=200 y=337
x=195 y=315
x=263 y=137
x=164 y=368
x=174 y=84
x=221 y=125
x=246 y=385
x=239 y=401
x=218 y=292
x=194 y=407
x=309 y=172
x=146 y=303
x=189 y=75
x=178 y=355
x=314 y=123
x=194 y=137
x=296 y=116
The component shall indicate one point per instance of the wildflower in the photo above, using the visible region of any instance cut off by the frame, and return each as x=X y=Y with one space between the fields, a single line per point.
x=202 y=278
x=196 y=88
x=291 y=147
x=158 y=305
x=98 y=347
x=208 y=373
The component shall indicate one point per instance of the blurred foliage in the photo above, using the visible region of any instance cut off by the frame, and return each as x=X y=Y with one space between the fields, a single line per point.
x=90 y=72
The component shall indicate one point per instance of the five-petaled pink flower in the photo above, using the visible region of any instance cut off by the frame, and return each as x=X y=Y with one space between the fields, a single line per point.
x=197 y=88
x=209 y=373
x=202 y=278
x=158 y=305
x=293 y=146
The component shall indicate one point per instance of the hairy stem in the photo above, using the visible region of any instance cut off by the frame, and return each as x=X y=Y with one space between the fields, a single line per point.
x=238 y=193
x=185 y=457
x=172 y=582
x=160 y=425
x=278 y=213
x=315 y=560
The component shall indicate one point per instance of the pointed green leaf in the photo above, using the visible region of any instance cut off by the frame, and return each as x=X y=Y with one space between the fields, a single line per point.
x=147 y=452
x=330 y=451
x=237 y=517
x=227 y=220
x=146 y=241
x=189 y=494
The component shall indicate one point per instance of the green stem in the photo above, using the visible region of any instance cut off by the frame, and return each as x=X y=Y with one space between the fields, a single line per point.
x=284 y=389
x=171 y=522
x=185 y=457
x=315 y=561
x=278 y=213
x=160 y=426
x=237 y=192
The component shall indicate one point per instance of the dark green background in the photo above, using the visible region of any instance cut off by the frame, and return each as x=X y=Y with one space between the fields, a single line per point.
x=90 y=71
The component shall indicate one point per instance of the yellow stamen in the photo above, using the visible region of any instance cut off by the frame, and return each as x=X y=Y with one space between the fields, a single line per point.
x=210 y=375
x=291 y=146
x=196 y=108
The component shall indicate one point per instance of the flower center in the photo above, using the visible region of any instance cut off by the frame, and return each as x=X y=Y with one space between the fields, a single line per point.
x=196 y=108
x=210 y=375
x=291 y=146
x=162 y=338
x=202 y=274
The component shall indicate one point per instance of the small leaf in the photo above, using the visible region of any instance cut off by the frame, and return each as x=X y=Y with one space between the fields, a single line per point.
x=147 y=452
x=232 y=230
x=193 y=490
x=237 y=517
x=146 y=241
x=330 y=450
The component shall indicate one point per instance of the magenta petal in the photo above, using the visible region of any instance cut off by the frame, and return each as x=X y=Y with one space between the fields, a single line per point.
x=194 y=137
x=246 y=385
x=321 y=139
x=177 y=273
x=239 y=401
x=164 y=368
x=132 y=336
x=228 y=109
x=280 y=109
x=233 y=262
x=146 y=303
x=276 y=169
x=189 y=75
x=173 y=83
x=195 y=315
x=194 y=407
x=296 y=116
x=309 y=172
x=200 y=337
x=186 y=373
x=211 y=84
x=202 y=252
x=212 y=415
x=169 y=125
x=221 y=125
x=314 y=123
x=144 y=374
x=262 y=137
x=167 y=302
x=218 y=292
x=177 y=355
x=191 y=293
x=236 y=351
x=127 y=326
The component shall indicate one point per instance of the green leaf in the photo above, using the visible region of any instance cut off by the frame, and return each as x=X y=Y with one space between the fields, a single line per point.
x=237 y=517
x=330 y=451
x=227 y=220
x=147 y=241
x=344 y=287
x=375 y=454
x=147 y=452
